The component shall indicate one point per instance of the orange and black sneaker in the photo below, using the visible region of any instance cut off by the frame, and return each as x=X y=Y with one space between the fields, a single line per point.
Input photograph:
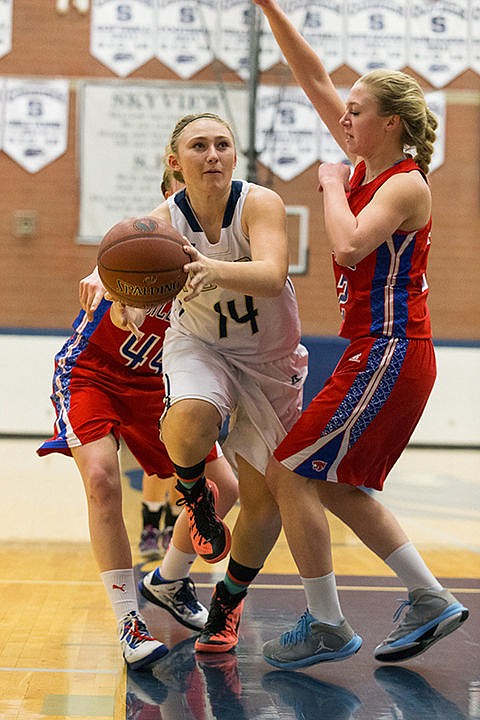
x=210 y=536
x=220 y=633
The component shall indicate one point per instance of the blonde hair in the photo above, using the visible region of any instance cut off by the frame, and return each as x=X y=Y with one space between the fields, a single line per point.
x=400 y=94
x=166 y=184
x=172 y=147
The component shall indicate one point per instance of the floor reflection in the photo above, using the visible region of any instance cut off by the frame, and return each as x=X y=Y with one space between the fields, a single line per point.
x=311 y=699
x=189 y=686
x=184 y=685
x=443 y=684
x=413 y=697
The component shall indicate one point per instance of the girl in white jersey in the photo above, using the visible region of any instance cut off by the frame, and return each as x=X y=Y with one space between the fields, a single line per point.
x=233 y=350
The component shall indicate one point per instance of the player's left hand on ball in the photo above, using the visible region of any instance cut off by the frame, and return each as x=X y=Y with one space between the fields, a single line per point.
x=125 y=317
x=200 y=272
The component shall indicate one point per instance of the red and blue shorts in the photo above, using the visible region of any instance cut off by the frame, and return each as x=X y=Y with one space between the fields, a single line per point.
x=357 y=426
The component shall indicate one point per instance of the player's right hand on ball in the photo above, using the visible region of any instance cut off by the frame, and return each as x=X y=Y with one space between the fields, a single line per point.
x=90 y=293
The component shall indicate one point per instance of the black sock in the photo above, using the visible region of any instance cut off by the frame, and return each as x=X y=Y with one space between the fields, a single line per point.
x=151 y=517
x=189 y=476
x=238 y=577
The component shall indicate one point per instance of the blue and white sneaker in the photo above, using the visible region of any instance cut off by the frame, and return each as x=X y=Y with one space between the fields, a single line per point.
x=178 y=597
x=433 y=614
x=139 y=648
x=311 y=642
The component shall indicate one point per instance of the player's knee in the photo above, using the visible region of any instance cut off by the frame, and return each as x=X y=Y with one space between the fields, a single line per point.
x=189 y=431
x=103 y=488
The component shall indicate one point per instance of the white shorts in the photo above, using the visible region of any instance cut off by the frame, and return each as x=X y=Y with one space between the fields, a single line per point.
x=262 y=400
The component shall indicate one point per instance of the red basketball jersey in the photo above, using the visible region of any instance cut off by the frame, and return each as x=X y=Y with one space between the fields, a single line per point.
x=385 y=294
x=143 y=356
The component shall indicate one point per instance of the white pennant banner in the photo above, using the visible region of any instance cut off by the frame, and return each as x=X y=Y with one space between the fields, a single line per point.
x=232 y=45
x=438 y=39
x=185 y=34
x=375 y=35
x=6 y=10
x=35 y=121
x=474 y=36
x=122 y=34
x=321 y=22
x=287 y=130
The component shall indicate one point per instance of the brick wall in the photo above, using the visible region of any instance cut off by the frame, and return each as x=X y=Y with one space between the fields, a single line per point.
x=39 y=281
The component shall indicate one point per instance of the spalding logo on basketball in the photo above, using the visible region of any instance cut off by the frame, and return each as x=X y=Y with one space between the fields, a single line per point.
x=140 y=261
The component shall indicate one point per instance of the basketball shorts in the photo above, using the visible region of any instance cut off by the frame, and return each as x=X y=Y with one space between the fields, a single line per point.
x=357 y=426
x=261 y=400
x=96 y=397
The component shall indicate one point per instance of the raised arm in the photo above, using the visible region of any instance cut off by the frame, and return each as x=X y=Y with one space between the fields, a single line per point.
x=307 y=68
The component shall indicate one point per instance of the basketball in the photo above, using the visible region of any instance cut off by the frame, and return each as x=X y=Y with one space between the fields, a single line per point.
x=140 y=261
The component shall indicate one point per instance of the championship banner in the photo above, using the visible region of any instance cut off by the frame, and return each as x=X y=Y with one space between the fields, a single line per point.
x=287 y=130
x=375 y=34
x=185 y=34
x=122 y=34
x=35 y=121
x=321 y=22
x=474 y=36
x=123 y=129
x=437 y=45
x=232 y=41
x=6 y=10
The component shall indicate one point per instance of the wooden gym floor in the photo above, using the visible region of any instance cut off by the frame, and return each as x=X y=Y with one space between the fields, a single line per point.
x=59 y=656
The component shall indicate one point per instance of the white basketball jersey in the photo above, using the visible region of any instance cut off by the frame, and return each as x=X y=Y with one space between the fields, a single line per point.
x=260 y=328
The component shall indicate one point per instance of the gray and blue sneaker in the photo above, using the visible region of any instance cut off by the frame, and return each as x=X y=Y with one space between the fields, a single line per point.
x=178 y=597
x=311 y=642
x=432 y=615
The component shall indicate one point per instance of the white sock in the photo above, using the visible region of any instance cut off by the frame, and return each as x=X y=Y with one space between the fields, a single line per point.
x=121 y=591
x=322 y=598
x=176 y=564
x=410 y=568
x=153 y=506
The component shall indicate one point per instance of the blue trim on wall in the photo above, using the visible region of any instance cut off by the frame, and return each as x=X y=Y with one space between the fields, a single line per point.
x=36 y=331
x=325 y=351
x=306 y=339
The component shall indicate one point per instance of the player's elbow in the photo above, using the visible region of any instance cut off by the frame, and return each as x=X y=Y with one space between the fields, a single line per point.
x=277 y=284
x=345 y=258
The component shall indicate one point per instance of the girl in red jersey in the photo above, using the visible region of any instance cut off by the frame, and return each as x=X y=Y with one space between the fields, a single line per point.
x=378 y=227
x=108 y=385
